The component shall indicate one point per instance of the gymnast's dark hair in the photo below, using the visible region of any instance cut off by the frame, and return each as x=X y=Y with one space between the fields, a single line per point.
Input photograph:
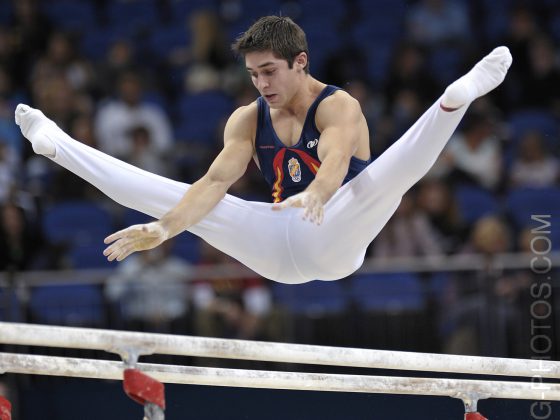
x=280 y=35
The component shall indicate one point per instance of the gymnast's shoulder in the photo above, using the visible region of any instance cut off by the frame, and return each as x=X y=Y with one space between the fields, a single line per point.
x=243 y=120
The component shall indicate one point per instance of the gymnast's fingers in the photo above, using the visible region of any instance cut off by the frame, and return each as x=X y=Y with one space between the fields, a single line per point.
x=289 y=202
x=120 y=234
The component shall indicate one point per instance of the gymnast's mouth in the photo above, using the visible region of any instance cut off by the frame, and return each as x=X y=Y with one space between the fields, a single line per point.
x=270 y=96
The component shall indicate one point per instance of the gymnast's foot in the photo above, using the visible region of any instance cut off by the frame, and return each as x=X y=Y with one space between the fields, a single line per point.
x=37 y=129
x=483 y=77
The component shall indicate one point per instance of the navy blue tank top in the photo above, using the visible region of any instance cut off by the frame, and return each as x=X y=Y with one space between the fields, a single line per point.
x=289 y=170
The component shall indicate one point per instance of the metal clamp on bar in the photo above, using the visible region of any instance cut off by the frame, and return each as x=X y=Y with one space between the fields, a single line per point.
x=471 y=410
x=5 y=409
x=145 y=390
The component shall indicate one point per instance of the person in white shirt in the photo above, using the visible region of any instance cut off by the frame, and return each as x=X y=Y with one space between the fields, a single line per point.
x=117 y=117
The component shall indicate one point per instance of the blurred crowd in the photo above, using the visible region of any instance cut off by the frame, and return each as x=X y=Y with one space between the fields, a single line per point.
x=152 y=83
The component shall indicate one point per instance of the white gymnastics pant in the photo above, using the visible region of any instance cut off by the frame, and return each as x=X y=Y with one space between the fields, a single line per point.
x=279 y=245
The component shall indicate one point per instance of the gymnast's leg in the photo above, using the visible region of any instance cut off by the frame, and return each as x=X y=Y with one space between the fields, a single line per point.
x=360 y=209
x=408 y=159
x=127 y=185
x=249 y=232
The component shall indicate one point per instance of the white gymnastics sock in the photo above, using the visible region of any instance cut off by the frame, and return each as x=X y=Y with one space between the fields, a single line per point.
x=483 y=77
x=35 y=127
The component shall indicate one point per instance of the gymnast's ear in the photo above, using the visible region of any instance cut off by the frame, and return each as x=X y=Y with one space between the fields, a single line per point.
x=300 y=61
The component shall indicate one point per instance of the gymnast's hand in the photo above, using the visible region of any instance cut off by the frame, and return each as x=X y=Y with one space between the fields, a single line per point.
x=310 y=201
x=134 y=238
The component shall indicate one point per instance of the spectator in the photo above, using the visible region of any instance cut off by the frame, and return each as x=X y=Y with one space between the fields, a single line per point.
x=230 y=307
x=151 y=291
x=208 y=45
x=8 y=101
x=408 y=72
x=436 y=200
x=540 y=84
x=481 y=314
x=141 y=154
x=19 y=242
x=434 y=22
x=59 y=100
x=490 y=236
x=534 y=165
x=406 y=108
x=61 y=187
x=207 y=59
x=523 y=28
x=60 y=59
x=116 y=118
x=8 y=52
x=371 y=107
x=11 y=146
x=82 y=130
x=408 y=234
x=31 y=30
x=9 y=162
x=473 y=155
x=120 y=58
x=345 y=64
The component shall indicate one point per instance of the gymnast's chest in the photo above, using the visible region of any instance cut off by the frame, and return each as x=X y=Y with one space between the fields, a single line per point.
x=288 y=130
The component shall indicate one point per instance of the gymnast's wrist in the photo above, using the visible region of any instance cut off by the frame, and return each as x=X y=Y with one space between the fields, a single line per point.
x=165 y=228
x=319 y=191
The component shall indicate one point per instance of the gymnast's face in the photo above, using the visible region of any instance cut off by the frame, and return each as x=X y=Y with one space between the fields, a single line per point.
x=273 y=78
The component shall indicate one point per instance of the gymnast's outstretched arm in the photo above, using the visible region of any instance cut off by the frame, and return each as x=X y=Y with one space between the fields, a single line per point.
x=200 y=198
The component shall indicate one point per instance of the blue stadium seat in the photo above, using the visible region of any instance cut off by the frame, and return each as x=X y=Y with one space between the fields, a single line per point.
x=387 y=292
x=76 y=222
x=313 y=298
x=97 y=41
x=332 y=10
x=200 y=115
x=388 y=10
x=89 y=256
x=71 y=14
x=439 y=285
x=526 y=120
x=374 y=29
x=182 y=9
x=321 y=43
x=523 y=204
x=164 y=39
x=154 y=97
x=555 y=26
x=475 y=203
x=254 y=9
x=6 y=13
x=67 y=305
x=498 y=12
x=187 y=246
x=132 y=217
x=445 y=64
x=377 y=40
x=133 y=15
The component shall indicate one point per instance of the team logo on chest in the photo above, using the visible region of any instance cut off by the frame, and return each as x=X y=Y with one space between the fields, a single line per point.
x=294 y=169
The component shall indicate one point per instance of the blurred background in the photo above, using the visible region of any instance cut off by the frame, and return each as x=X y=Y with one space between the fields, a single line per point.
x=467 y=265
